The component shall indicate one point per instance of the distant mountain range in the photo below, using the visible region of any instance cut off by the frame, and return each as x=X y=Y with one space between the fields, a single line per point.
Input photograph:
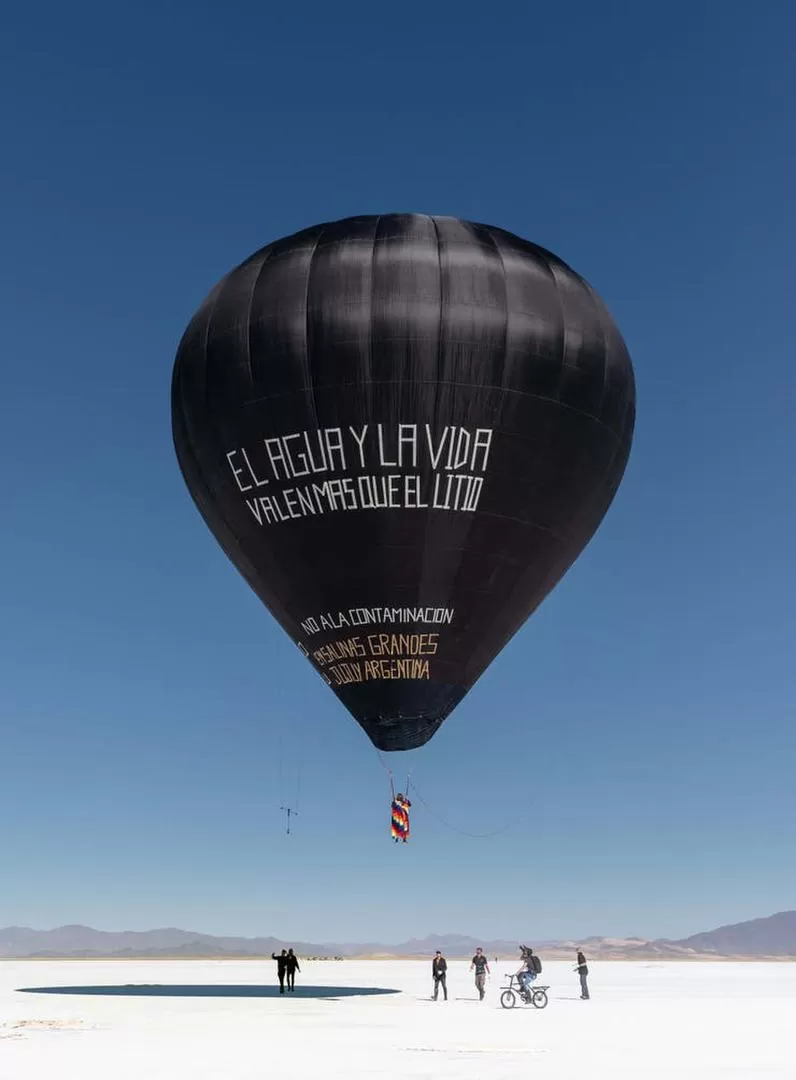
x=774 y=937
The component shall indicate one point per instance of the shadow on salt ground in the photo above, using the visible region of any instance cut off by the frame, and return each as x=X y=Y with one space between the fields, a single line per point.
x=232 y=991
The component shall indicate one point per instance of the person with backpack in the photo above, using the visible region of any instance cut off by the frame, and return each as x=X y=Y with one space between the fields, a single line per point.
x=531 y=967
x=439 y=971
x=481 y=965
x=583 y=970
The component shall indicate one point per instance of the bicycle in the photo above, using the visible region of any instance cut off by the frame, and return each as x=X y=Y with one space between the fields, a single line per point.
x=535 y=995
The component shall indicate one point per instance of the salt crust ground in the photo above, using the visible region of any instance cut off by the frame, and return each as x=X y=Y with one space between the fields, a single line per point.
x=645 y=1020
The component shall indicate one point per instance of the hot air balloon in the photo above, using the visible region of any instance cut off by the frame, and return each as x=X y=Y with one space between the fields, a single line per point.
x=402 y=430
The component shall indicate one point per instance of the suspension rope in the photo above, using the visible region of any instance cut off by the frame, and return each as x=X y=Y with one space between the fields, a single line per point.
x=513 y=822
x=388 y=770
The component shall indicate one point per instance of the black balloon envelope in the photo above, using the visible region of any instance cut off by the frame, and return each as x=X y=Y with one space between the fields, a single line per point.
x=402 y=430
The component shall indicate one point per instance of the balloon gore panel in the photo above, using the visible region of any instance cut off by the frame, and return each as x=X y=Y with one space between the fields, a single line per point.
x=402 y=430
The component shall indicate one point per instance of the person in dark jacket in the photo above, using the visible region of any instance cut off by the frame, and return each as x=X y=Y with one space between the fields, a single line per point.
x=281 y=966
x=291 y=967
x=583 y=971
x=439 y=970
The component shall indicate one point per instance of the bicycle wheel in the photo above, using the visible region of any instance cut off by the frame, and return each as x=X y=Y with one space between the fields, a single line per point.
x=539 y=999
x=507 y=999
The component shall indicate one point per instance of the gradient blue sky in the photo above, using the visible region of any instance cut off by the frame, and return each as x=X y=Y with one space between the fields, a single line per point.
x=153 y=717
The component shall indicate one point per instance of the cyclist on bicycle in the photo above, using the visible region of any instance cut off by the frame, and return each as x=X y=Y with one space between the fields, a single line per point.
x=530 y=968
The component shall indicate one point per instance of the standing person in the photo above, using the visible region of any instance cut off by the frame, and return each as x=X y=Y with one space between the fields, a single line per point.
x=481 y=965
x=439 y=970
x=281 y=965
x=291 y=967
x=583 y=970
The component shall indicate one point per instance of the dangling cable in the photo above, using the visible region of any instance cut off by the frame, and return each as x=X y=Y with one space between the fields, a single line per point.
x=290 y=809
x=281 y=769
x=473 y=836
x=299 y=768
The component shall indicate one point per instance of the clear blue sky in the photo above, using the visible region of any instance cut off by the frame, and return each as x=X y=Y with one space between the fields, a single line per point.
x=153 y=716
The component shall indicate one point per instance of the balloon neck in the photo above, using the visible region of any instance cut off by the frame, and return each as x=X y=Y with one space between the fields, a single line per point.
x=392 y=733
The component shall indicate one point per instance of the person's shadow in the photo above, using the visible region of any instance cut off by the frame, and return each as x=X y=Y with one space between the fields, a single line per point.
x=219 y=991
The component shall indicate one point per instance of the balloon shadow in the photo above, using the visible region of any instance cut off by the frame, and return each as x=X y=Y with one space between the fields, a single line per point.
x=220 y=991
